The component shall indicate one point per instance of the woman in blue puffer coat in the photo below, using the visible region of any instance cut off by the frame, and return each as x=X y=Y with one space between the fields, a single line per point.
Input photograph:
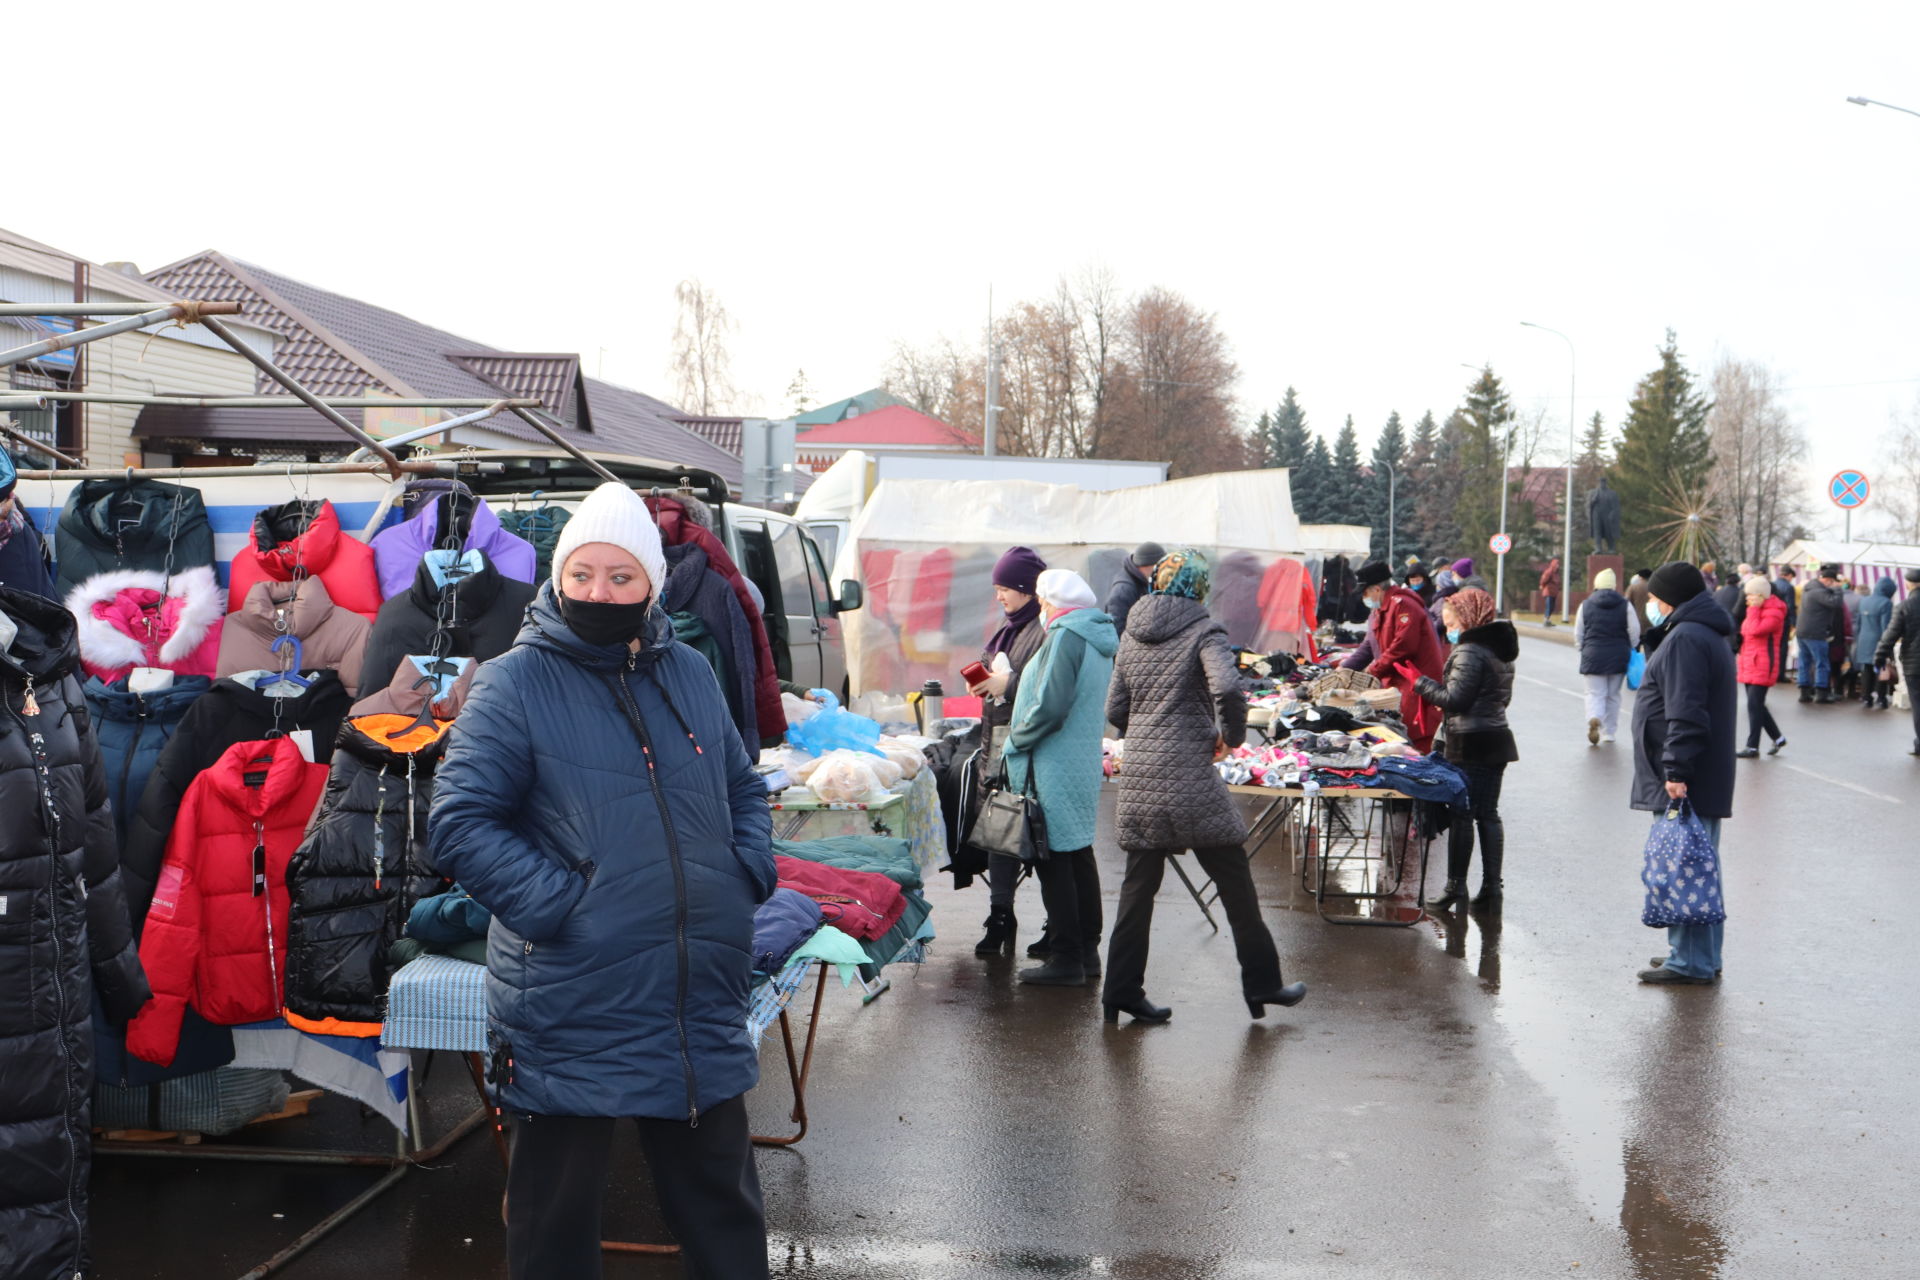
x=597 y=800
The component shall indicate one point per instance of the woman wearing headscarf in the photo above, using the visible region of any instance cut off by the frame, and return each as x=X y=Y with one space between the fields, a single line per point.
x=1474 y=689
x=1016 y=579
x=1053 y=756
x=598 y=801
x=1178 y=699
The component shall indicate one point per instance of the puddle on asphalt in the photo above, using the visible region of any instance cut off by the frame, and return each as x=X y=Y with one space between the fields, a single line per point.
x=934 y=1260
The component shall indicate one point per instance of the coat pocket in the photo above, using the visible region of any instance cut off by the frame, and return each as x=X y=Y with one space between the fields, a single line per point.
x=763 y=875
x=23 y=933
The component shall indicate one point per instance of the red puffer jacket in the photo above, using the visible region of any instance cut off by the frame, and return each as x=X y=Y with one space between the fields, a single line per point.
x=864 y=904
x=1760 y=641
x=216 y=934
x=306 y=536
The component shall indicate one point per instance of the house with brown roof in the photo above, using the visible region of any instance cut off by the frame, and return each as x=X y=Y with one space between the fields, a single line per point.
x=160 y=359
x=341 y=346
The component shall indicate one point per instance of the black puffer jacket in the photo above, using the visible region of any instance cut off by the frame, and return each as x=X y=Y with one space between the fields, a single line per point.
x=227 y=713
x=1176 y=688
x=1687 y=713
x=1474 y=689
x=345 y=912
x=111 y=524
x=64 y=939
x=1821 y=613
x=1904 y=632
x=483 y=611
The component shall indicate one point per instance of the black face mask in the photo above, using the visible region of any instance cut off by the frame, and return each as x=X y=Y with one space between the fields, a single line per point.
x=605 y=624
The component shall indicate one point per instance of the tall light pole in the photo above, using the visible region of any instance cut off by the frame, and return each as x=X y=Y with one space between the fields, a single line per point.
x=1390 y=483
x=1875 y=102
x=1566 y=554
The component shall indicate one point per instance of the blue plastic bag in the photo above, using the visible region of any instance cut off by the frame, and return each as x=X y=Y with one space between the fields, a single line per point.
x=1682 y=872
x=835 y=729
x=1636 y=669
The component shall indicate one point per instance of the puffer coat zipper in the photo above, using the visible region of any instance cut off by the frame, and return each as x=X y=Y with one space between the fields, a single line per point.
x=631 y=707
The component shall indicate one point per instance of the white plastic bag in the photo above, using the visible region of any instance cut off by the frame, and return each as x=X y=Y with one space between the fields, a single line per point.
x=845 y=777
x=798 y=710
x=905 y=755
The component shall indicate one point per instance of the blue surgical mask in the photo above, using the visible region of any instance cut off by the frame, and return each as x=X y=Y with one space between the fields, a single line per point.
x=1453 y=636
x=1654 y=613
x=1370 y=602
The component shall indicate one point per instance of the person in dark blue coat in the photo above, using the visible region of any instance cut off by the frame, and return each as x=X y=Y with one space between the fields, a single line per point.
x=1684 y=723
x=597 y=799
x=23 y=556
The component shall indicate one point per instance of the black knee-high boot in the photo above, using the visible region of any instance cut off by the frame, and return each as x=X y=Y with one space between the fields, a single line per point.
x=1493 y=853
x=1459 y=858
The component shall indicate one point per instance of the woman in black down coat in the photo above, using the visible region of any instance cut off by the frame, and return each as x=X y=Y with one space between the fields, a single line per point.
x=64 y=939
x=1474 y=689
x=1178 y=699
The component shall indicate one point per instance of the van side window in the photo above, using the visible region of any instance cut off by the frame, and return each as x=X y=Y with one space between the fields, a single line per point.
x=790 y=560
x=823 y=596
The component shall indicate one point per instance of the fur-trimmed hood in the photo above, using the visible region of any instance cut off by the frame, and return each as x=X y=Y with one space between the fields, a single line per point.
x=140 y=617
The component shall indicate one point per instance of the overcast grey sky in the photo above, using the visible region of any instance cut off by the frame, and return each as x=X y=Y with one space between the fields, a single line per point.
x=1367 y=195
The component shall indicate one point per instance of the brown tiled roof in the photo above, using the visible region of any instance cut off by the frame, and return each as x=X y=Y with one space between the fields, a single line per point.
x=724 y=432
x=338 y=345
x=547 y=378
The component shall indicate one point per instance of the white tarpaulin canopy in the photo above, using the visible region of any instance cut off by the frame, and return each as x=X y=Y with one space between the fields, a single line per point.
x=926 y=551
x=1248 y=510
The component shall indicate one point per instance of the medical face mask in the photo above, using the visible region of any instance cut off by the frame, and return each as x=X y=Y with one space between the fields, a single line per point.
x=1654 y=615
x=1453 y=635
x=1372 y=602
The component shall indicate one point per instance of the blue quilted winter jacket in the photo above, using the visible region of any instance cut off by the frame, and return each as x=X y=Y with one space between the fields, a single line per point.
x=601 y=806
x=1059 y=715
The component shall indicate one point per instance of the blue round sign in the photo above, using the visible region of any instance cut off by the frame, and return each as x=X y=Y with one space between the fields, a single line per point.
x=1849 y=489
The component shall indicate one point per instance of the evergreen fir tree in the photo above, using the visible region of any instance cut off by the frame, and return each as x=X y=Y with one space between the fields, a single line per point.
x=1313 y=498
x=1259 y=452
x=1595 y=457
x=1446 y=541
x=1389 y=480
x=1413 y=536
x=1284 y=433
x=1664 y=458
x=1485 y=421
x=1348 y=487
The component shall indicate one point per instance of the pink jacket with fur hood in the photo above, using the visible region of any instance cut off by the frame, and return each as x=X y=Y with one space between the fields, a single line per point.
x=142 y=618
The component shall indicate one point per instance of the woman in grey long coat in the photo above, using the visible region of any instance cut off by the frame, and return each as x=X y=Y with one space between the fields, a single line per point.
x=1178 y=699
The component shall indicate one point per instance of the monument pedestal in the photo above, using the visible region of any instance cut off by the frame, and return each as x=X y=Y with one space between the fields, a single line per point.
x=1612 y=560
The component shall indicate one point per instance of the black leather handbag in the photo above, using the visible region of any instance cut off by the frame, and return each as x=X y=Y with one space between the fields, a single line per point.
x=1009 y=823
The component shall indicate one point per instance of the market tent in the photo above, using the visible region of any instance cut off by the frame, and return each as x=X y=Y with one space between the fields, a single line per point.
x=1864 y=563
x=1354 y=541
x=926 y=551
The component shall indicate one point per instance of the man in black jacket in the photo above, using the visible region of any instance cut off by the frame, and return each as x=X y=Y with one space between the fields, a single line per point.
x=1904 y=631
x=1684 y=722
x=1130 y=582
x=1822 y=621
x=1783 y=586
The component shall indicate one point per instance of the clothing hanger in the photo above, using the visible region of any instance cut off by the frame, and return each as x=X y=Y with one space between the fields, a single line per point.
x=289 y=674
x=425 y=718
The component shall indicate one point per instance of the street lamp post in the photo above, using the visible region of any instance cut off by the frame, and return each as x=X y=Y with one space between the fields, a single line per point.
x=1390 y=484
x=1566 y=554
x=1875 y=102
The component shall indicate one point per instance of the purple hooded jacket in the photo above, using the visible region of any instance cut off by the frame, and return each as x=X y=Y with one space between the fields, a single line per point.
x=397 y=551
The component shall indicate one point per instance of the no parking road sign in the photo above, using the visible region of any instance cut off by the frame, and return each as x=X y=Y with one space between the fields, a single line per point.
x=1500 y=544
x=1849 y=489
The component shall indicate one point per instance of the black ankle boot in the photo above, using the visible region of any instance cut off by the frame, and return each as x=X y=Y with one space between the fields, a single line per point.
x=1142 y=1010
x=1041 y=947
x=1058 y=971
x=1090 y=961
x=1453 y=894
x=1000 y=930
x=1286 y=997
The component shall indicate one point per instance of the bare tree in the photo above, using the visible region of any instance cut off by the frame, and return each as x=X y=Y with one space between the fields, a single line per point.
x=940 y=379
x=1896 y=490
x=1177 y=375
x=1755 y=486
x=701 y=367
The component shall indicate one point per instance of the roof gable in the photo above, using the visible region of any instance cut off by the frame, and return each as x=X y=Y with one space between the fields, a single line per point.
x=550 y=378
x=895 y=424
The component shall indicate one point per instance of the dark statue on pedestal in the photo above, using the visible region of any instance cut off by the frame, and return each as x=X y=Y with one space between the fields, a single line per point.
x=1603 y=518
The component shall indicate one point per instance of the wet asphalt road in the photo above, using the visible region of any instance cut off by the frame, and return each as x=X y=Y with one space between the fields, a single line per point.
x=1479 y=1098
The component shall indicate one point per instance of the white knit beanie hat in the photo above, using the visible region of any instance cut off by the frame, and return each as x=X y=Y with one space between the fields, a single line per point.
x=617 y=515
x=1064 y=589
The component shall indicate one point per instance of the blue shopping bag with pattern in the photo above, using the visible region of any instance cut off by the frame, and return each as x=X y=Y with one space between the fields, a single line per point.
x=1682 y=872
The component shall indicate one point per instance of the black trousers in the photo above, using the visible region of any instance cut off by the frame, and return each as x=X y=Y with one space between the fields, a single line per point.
x=1126 y=973
x=1070 y=890
x=1759 y=718
x=1483 y=794
x=704 y=1178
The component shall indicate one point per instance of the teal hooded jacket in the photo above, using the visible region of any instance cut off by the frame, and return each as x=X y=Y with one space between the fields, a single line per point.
x=1059 y=717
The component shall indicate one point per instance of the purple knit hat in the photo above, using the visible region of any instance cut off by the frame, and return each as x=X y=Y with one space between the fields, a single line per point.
x=1463 y=568
x=1019 y=570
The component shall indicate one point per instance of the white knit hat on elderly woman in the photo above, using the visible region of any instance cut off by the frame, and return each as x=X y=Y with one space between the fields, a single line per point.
x=616 y=515
x=1064 y=589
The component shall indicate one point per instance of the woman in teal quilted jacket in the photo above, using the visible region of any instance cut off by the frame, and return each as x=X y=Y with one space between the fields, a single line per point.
x=1053 y=755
